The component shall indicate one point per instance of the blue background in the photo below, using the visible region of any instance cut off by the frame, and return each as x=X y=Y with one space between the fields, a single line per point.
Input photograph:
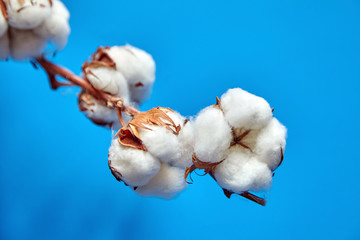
x=301 y=56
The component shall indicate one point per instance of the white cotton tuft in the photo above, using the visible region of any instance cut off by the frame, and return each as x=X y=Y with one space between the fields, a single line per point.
x=213 y=135
x=108 y=80
x=4 y=47
x=270 y=141
x=160 y=142
x=245 y=110
x=25 y=44
x=27 y=14
x=135 y=167
x=167 y=146
x=138 y=68
x=241 y=172
x=186 y=149
x=167 y=183
x=59 y=9
x=56 y=27
x=3 y=25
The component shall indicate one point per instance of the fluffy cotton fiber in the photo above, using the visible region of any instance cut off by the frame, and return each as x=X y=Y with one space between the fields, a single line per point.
x=245 y=110
x=27 y=14
x=167 y=183
x=212 y=135
x=138 y=67
x=136 y=167
x=241 y=172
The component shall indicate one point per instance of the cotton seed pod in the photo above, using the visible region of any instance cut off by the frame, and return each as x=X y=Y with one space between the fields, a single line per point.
x=27 y=14
x=245 y=110
x=270 y=144
x=241 y=171
x=167 y=183
x=25 y=44
x=99 y=113
x=102 y=74
x=213 y=135
x=138 y=68
x=4 y=47
x=132 y=166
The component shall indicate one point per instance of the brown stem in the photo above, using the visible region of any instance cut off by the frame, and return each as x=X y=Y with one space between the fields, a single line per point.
x=53 y=70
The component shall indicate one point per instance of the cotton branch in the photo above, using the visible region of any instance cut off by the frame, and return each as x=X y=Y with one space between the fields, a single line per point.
x=53 y=70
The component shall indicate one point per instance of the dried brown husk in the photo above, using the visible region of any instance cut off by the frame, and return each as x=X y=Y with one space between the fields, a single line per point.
x=99 y=59
x=129 y=135
x=3 y=9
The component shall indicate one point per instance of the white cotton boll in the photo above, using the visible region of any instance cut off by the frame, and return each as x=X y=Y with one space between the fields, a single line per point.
x=138 y=68
x=56 y=29
x=108 y=80
x=245 y=110
x=213 y=135
x=136 y=167
x=27 y=14
x=161 y=142
x=3 y=25
x=25 y=44
x=241 y=172
x=4 y=47
x=269 y=143
x=59 y=9
x=167 y=183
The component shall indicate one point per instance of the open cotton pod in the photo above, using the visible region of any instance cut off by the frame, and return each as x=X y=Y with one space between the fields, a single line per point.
x=138 y=68
x=27 y=14
x=132 y=166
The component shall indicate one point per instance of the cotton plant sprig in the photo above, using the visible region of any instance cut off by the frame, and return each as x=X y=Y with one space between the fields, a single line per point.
x=237 y=141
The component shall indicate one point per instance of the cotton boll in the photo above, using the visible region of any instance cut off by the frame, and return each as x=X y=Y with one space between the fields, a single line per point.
x=213 y=135
x=4 y=47
x=56 y=29
x=241 y=172
x=3 y=25
x=167 y=183
x=138 y=68
x=25 y=44
x=135 y=167
x=270 y=141
x=100 y=114
x=245 y=110
x=108 y=80
x=27 y=14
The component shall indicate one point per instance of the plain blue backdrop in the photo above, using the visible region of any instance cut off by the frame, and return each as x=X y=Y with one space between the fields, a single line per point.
x=301 y=56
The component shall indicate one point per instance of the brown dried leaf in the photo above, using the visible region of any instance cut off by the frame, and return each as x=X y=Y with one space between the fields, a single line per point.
x=114 y=172
x=139 y=84
x=99 y=59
